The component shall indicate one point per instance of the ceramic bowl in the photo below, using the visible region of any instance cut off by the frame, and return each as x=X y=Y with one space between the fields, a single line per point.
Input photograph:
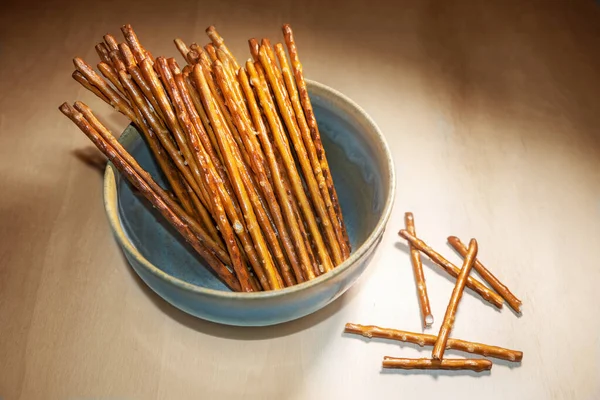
x=363 y=173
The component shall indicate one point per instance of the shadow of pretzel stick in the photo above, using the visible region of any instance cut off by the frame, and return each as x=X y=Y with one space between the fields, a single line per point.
x=92 y=157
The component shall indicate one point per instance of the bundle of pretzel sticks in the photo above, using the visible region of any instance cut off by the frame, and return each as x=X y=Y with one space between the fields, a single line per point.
x=440 y=343
x=250 y=187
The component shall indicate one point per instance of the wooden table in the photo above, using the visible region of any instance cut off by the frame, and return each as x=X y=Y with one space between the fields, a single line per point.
x=492 y=111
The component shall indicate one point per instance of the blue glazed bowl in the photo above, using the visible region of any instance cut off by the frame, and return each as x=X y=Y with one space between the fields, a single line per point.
x=363 y=173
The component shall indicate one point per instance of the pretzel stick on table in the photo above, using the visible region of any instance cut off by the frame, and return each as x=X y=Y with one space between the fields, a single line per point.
x=287 y=112
x=477 y=365
x=156 y=199
x=116 y=100
x=218 y=41
x=440 y=344
x=423 y=339
x=236 y=176
x=78 y=76
x=287 y=168
x=501 y=289
x=415 y=257
x=271 y=235
x=324 y=187
x=312 y=123
x=453 y=270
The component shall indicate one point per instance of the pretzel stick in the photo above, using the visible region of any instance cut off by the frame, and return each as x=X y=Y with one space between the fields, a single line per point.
x=243 y=124
x=127 y=55
x=415 y=257
x=285 y=197
x=117 y=62
x=212 y=52
x=78 y=76
x=218 y=41
x=254 y=48
x=446 y=328
x=210 y=175
x=423 y=339
x=312 y=123
x=312 y=153
x=137 y=76
x=109 y=73
x=103 y=52
x=132 y=40
x=502 y=290
x=183 y=49
x=139 y=101
x=111 y=42
x=237 y=177
x=116 y=100
x=289 y=119
x=259 y=83
x=229 y=203
x=477 y=365
x=452 y=270
x=154 y=197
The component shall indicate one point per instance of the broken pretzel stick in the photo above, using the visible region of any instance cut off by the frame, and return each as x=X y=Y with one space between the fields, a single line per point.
x=477 y=365
x=415 y=258
x=446 y=328
x=423 y=339
x=472 y=283
x=487 y=276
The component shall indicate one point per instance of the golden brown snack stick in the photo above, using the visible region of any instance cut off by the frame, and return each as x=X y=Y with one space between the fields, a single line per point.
x=150 y=117
x=127 y=55
x=116 y=100
x=103 y=52
x=440 y=345
x=286 y=111
x=415 y=257
x=156 y=198
x=139 y=79
x=78 y=76
x=111 y=42
x=312 y=153
x=219 y=43
x=280 y=140
x=423 y=339
x=182 y=48
x=116 y=61
x=254 y=47
x=212 y=52
x=312 y=123
x=109 y=73
x=236 y=177
x=132 y=40
x=487 y=276
x=210 y=175
x=244 y=128
x=285 y=197
x=477 y=365
x=452 y=270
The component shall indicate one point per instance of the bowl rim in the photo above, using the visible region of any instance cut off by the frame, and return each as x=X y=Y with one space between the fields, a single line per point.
x=111 y=206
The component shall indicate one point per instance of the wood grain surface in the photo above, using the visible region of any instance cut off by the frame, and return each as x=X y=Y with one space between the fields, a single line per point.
x=492 y=111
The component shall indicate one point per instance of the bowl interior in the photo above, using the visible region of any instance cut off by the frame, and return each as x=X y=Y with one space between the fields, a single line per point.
x=361 y=174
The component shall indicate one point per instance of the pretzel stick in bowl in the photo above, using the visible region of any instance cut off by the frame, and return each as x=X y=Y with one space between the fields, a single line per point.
x=286 y=110
x=472 y=283
x=109 y=73
x=312 y=123
x=415 y=257
x=111 y=42
x=311 y=149
x=477 y=365
x=502 y=290
x=182 y=48
x=423 y=339
x=132 y=40
x=254 y=48
x=211 y=51
x=157 y=198
x=440 y=344
x=218 y=41
x=103 y=52
x=78 y=76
